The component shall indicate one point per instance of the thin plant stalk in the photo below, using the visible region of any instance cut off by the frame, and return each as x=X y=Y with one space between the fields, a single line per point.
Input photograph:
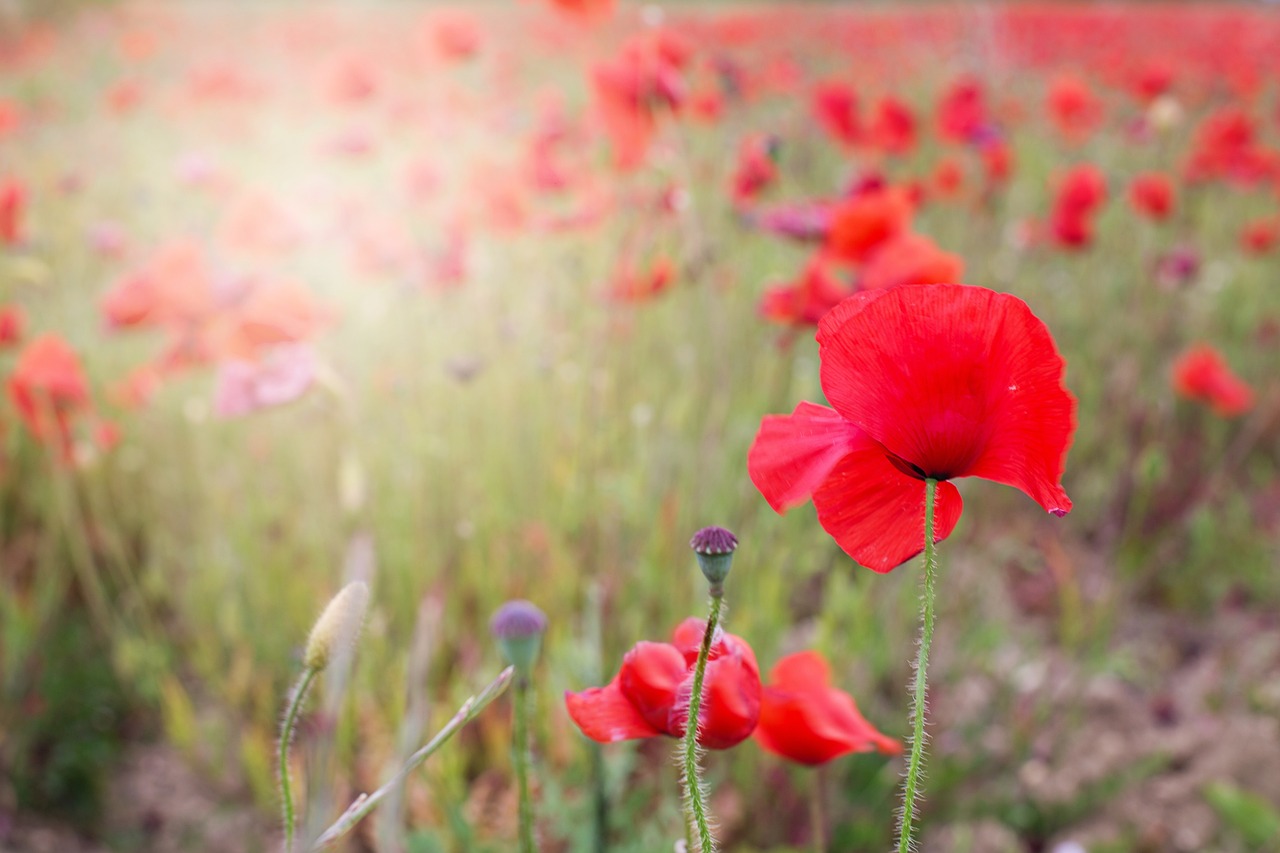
x=365 y=803
x=695 y=796
x=287 y=729
x=521 y=749
x=818 y=810
x=912 y=785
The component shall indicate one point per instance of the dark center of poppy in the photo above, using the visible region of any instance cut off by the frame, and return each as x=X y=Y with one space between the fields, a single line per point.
x=910 y=469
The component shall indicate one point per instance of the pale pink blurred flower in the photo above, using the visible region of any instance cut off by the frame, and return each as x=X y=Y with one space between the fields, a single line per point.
x=281 y=376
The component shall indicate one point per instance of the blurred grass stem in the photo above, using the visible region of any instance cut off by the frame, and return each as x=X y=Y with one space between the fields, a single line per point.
x=298 y=696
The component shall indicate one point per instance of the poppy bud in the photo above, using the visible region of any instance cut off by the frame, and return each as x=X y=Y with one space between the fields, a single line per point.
x=714 y=547
x=518 y=627
x=339 y=625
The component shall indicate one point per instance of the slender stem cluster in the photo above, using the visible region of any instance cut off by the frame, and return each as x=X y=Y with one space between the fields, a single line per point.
x=287 y=728
x=689 y=746
x=922 y=664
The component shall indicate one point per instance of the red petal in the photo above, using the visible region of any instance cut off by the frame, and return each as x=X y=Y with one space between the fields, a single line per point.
x=801 y=670
x=793 y=454
x=605 y=715
x=956 y=380
x=875 y=512
x=816 y=725
x=650 y=676
x=731 y=699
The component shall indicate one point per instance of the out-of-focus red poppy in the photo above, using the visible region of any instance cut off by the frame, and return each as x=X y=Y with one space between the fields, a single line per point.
x=650 y=694
x=632 y=285
x=962 y=111
x=1151 y=195
x=910 y=259
x=806 y=720
x=174 y=288
x=1201 y=374
x=1074 y=108
x=804 y=301
x=835 y=106
x=644 y=81
x=1226 y=148
x=456 y=35
x=279 y=313
x=893 y=127
x=948 y=177
x=930 y=381
x=1080 y=192
x=13 y=324
x=13 y=206
x=588 y=10
x=49 y=389
x=859 y=225
x=1261 y=235
x=756 y=169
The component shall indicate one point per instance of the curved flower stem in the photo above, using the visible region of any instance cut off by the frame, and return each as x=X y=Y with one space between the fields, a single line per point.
x=922 y=664
x=695 y=797
x=296 y=699
x=521 y=737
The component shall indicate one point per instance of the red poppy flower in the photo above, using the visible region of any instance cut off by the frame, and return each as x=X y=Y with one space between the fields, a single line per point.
x=756 y=168
x=13 y=203
x=13 y=322
x=650 y=694
x=927 y=381
x=1201 y=374
x=1075 y=109
x=49 y=389
x=804 y=301
x=910 y=259
x=1260 y=236
x=861 y=224
x=835 y=106
x=893 y=127
x=806 y=720
x=1151 y=194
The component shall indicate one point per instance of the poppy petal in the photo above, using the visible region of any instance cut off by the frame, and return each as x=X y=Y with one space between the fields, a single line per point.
x=956 y=380
x=604 y=715
x=650 y=678
x=875 y=512
x=793 y=454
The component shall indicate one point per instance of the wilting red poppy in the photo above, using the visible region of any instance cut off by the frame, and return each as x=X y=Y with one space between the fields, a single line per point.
x=1151 y=195
x=860 y=224
x=804 y=301
x=650 y=694
x=927 y=381
x=910 y=259
x=1201 y=374
x=806 y=720
x=49 y=389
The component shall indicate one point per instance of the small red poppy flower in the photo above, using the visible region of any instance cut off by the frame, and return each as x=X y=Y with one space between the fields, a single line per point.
x=756 y=169
x=1074 y=108
x=49 y=389
x=932 y=381
x=806 y=720
x=13 y=204
x=910 y=259
x=803 y=302
x=1260 y=236
x=1201 y=374
x=650 y=694
x=1151 y=195
x=859 y=225
x=893 y=126
x=835 y=106
x=13 y=323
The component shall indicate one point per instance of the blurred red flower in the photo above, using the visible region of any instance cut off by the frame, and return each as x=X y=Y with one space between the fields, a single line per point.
x=927 y=381
x=893 y=126
x=13 y=323
x=910 y=259
x=835 y=106
x=650 y=694
x=1201 y=374
x=1074 y=108
x=1151 y=195
x=806 y=720
x=804 y=301
x=859 y=225
x=49 y=389
x=13 y=205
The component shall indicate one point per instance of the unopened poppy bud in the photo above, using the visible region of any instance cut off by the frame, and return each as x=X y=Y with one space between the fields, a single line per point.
x=518 y=627
x=714 y=547
x=338 y=626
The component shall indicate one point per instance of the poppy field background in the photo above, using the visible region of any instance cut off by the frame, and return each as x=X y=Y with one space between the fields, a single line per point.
x=488 y=302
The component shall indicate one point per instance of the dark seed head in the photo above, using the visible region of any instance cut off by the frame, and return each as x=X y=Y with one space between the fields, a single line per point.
x=713 y=541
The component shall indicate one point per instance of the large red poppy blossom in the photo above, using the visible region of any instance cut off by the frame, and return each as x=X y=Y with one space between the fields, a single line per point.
x=650 y=694
x=927 y=381
x=806 y=720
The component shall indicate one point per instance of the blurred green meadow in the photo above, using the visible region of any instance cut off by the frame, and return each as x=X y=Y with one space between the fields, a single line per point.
x=1110 y=679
